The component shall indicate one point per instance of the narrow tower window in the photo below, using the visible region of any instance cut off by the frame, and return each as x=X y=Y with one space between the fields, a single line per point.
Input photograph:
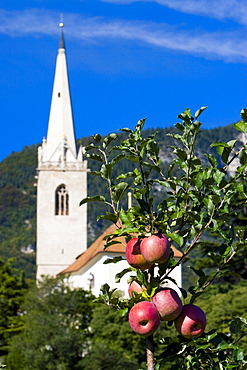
x=62 y=201
x=59 y=95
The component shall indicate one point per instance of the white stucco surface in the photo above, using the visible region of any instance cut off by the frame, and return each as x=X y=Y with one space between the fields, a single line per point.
x=103 y=274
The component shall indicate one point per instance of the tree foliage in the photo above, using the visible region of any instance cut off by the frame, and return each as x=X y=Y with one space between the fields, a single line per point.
x=12 y=290
x=18 y=208
x=113 y=345
x=200 y=200
x=56 y=329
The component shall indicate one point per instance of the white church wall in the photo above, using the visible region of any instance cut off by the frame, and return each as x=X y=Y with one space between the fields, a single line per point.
x=60 y=238
x=96 y=274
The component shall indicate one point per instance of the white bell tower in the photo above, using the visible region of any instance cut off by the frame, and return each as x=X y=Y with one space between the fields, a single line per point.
x=62 y=182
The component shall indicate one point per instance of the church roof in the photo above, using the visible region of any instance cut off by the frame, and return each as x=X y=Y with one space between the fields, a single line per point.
x=98 y=247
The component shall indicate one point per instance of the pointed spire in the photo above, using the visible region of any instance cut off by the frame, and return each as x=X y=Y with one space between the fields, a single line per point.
x=60 y=125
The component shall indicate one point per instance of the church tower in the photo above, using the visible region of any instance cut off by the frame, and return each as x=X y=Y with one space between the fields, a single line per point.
x=62 y=182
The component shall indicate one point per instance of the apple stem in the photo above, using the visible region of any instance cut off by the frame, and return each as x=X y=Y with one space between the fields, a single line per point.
x=150 y=352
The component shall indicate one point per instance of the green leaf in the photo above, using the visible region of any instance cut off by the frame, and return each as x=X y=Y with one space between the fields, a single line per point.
x=199 y=112
x=96 y=173
x=223 y=346
x=212 y=334
x=184 y=293
x=140 y=124
x=125 y=217
x=218 y=176
x=153 y=148
x=199 y=273
x=90 y=146
x=128 y=230
x=109 y=139
x=243 y=114
x=168 y=184
x=133 y=158
x=243 y=157
x=219 y=143
x=209 y=204
x=225 y=249
x=106 y=170
x=192 y=289
x=109 y=243
x=108 y=216
x=113 y=260
x=94 y=156
x=186 y=116
x=225 y=154
x=126 y=175
x=96 y=198
x=198 y=180
x=180 y=153
x=238 y=354
x=105 y=288
x=97 y=137
x=229 y=273
x=212 y=160
x=119 y=191
x=177 y=238
x=179 y=126
x=117 y=159
x=224 y=149
x=224 y=235
x=241 y=126
x=236 y=325
x=126 y=129
x=119 y=276
x=123 y=311
x=152 y=166
x=232 y=143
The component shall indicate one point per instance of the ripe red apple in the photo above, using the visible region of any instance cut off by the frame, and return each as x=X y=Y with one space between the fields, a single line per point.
x=191 y=322
x=135 y=287
x=144 y=318
x=134 y=256
x=168 y=304
x=155 y=248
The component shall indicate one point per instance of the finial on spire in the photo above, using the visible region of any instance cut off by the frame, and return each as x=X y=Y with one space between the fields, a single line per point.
x=61 y=42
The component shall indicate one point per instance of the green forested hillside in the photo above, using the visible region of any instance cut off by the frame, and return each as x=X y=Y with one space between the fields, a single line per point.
x=18 y=194
x=18 y=207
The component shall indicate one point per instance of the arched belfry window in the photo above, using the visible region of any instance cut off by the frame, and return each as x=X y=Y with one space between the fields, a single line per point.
x=62 y=201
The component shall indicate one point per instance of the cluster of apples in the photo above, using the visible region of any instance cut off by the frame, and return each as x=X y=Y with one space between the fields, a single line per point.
x=165 y=305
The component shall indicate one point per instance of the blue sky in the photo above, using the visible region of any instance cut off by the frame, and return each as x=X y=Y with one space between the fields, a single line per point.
x=127 y=60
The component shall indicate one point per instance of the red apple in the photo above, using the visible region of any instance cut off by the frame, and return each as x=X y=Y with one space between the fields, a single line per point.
x=191 y=322
x=155 y=248
x=134 y=256
x=144 y=318
x=135 y=287
x=168 y=304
